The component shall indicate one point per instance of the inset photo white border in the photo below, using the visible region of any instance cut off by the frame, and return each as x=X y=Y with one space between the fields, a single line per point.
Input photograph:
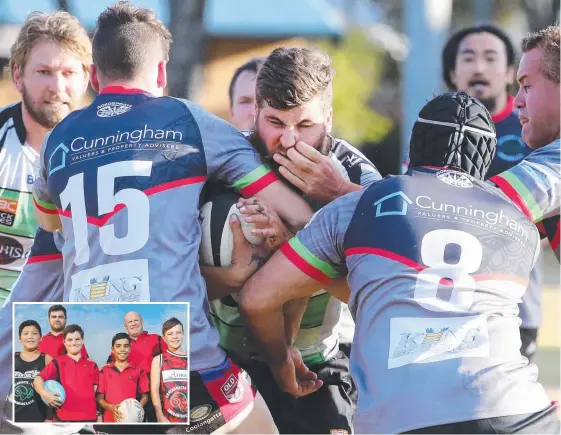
x=100 y=319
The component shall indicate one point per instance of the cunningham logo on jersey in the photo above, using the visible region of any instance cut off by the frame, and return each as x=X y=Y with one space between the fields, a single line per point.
x=113 y=108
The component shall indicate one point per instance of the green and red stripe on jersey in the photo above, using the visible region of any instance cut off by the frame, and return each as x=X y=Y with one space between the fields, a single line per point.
x=518 y=193
x=307 y=262
x=44 y=206
x=255 y=181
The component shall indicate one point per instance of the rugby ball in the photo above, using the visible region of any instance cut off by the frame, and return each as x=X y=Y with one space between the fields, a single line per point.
x=55 y=387
x=132 y=411
x=217 y=241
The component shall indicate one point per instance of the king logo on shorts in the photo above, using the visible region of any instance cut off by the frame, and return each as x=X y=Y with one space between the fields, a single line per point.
x=232 y=390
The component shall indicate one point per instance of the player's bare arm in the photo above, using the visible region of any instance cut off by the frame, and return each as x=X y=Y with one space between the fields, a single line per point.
x=49 y=222
x=291 y=207
x=52 y=399
x=246 y=260
x=155 y=390
x=313 y=173
x=261 y=302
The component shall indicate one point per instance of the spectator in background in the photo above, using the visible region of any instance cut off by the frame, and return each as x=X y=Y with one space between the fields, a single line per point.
x=52 y=343
x=242 y=94
x=481 y=61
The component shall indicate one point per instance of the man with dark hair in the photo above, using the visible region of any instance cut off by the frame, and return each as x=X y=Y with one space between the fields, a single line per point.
x=134 y=149
x=29 y=408
x=120 y=380
x=292 y=134
x=480 y=60
x=78 y=376
x=52 y=343
x=434 y=299
x=242 y=94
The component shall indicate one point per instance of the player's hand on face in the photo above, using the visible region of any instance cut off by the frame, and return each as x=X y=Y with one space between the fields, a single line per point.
x=53 y=399
x=246 y=258
x=312 y=172
x=268 y=224
x=294 y=377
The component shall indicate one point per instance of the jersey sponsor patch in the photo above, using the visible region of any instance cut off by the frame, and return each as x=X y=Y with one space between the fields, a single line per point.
x=8 y=210
x=454 y=178
x=123 y=281
x=415 y=340
x=113 y=108
x=175 y=375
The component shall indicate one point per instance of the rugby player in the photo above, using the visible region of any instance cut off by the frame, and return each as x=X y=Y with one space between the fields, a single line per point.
x=480 y=60
x=110 y=173
x=433 y=296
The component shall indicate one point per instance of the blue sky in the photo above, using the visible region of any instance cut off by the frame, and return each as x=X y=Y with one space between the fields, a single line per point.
x=101 y=322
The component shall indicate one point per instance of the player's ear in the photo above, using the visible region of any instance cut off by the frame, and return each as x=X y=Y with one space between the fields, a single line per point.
x=453 y=78
x=17 y=78
x=329 y=120
x=162 y=74
x=94 y=79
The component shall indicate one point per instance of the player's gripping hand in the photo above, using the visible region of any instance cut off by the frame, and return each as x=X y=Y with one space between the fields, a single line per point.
x=313 y=173
x=268 y=223
x=294 y=377
x=117 y=413
x=246 y=258
x=52 y=399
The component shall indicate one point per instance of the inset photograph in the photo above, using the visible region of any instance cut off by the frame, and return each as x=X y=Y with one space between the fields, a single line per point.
x=101 y=362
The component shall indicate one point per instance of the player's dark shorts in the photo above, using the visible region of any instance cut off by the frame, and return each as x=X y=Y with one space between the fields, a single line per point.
x=217 y=396
x=545 y=421
x=529 y=338
x=328 y=410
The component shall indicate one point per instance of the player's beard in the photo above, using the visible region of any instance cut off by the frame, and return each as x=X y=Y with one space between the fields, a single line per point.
x=323 y=145
x=46 y=117
x=57 y=329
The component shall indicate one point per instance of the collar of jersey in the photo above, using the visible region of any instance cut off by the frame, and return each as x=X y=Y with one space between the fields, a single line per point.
x=506 y=111
x=122 y=90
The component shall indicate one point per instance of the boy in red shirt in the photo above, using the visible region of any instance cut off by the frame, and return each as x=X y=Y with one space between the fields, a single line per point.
x=78 y=376
x=120 y=380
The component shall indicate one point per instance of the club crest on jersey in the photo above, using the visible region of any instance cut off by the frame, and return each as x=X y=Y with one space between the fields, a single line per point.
x=394 y=204
x=456 y=179
x=107 y=110
x=232 y=390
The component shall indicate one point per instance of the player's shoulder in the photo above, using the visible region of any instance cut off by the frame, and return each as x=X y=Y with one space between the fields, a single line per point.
x=11 y=115
x=346 y=152
x=9 y=112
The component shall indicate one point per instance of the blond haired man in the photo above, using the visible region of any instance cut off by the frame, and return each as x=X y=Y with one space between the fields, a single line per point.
x=49 y=66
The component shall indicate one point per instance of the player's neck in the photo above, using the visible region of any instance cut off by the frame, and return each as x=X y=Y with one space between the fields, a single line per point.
x=34 y=132
x=29 y=355
x=55 y=333
x=75 y=357
x=177 y=350
x=131 y=84
x=121 y=365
